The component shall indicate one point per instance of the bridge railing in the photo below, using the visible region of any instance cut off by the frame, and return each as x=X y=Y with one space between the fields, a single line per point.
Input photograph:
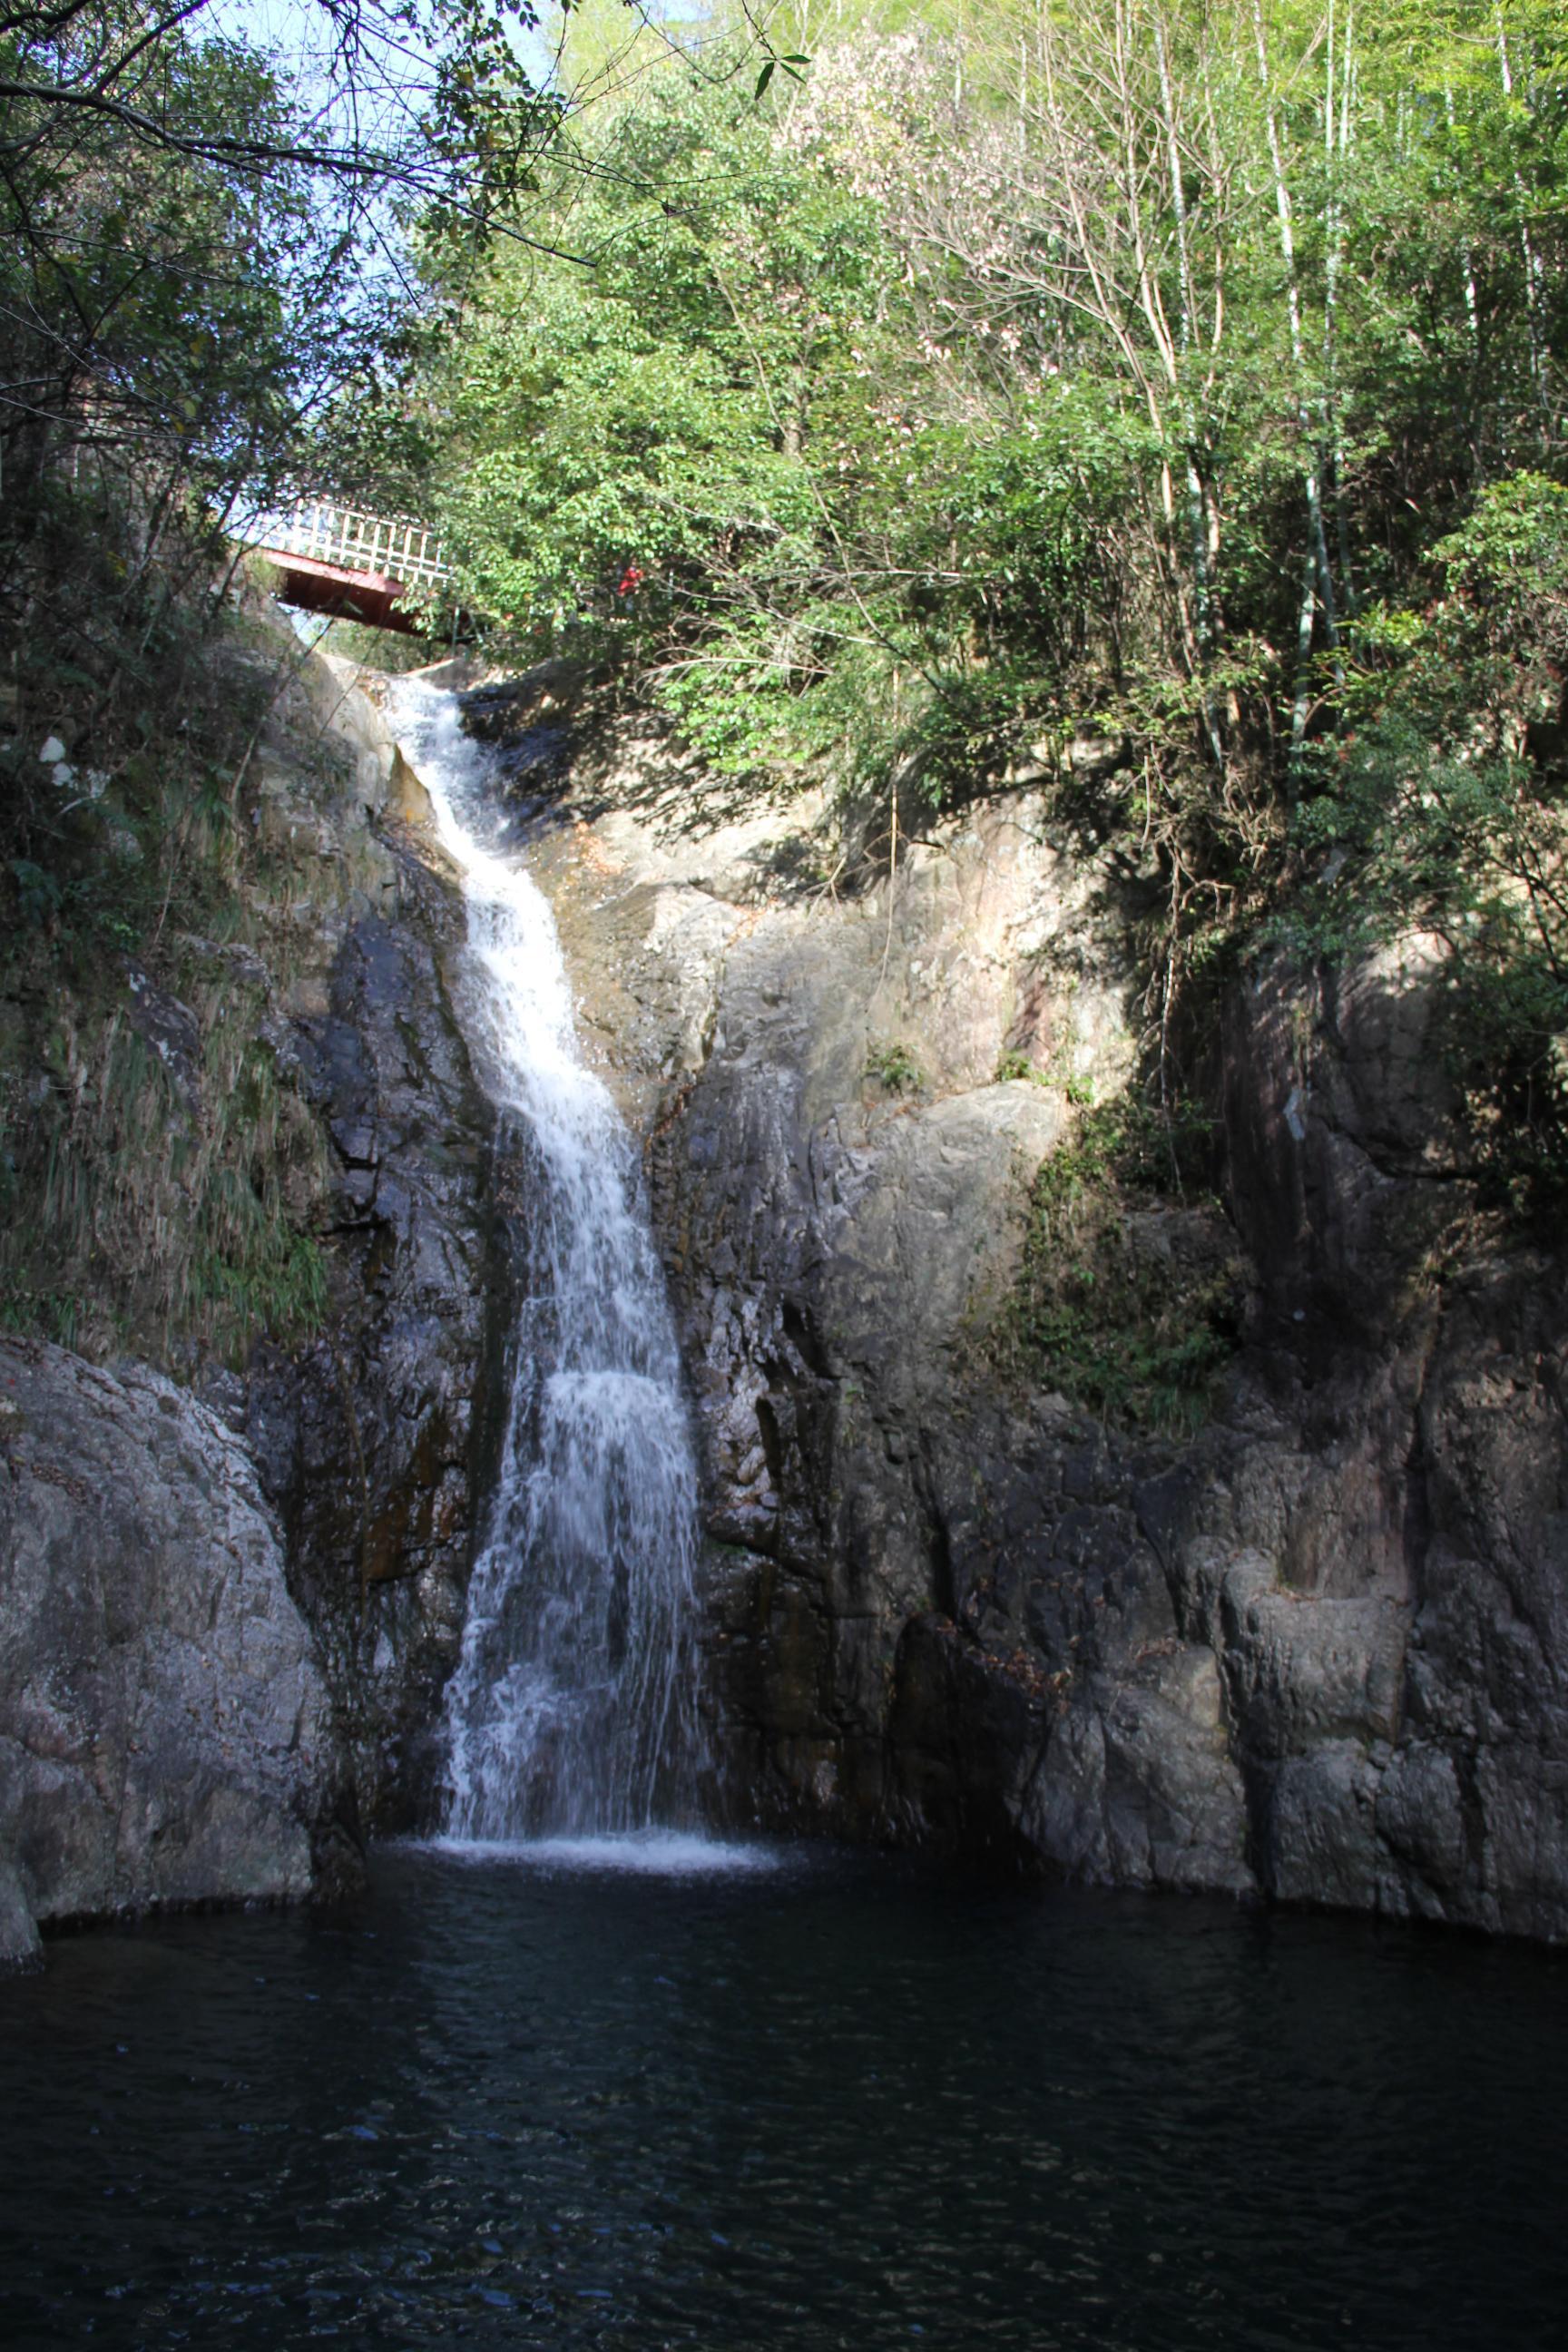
x=356 y=541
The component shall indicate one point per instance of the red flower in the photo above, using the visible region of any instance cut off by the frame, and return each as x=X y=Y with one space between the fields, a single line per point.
x=632 y=578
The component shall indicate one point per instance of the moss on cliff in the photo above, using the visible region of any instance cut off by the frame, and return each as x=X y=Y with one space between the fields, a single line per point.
x=163 y=1181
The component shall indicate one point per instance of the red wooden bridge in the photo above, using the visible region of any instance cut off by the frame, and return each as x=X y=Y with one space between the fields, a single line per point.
x=353 y=566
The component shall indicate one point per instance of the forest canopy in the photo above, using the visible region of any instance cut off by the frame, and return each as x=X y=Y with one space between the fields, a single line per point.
x=1187 y=375
x=895 y=396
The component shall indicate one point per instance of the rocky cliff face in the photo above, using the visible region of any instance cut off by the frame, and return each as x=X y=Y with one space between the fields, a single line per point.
x=166 y=1733
x=230 y=1607
x=372 y=1443
x=1318 y=1651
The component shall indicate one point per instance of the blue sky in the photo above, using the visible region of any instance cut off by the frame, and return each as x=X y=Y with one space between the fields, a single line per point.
x=295 y=28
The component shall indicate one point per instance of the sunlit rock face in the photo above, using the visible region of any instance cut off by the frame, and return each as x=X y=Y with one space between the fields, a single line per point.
x=1317 y=1651
x=166 y=1733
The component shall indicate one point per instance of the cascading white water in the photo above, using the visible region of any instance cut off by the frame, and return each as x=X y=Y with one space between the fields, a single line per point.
x=571 y=1710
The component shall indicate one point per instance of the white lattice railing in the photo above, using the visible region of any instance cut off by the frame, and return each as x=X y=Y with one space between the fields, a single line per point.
x=358 y=542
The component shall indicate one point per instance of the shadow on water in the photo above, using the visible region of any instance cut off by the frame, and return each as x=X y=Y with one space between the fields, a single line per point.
x=507 y=2101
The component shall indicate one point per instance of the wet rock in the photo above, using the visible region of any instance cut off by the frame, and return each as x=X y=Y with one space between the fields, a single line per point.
x=373 y=1442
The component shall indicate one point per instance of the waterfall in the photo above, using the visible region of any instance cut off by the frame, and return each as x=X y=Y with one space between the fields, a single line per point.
x=572 y=1709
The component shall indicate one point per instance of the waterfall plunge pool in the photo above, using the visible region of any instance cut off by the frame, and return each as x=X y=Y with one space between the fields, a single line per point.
x=659 y=1853
x=835 y=2102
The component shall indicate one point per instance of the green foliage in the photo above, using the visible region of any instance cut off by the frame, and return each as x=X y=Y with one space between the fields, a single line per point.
x=38 y=895
x=1134 y=1316
x=622 y=445
x=170 y=1213
x=893 y=1067
x=155 y=305
x=1078 y=1091
x=165 y=293
x=1442 y=806
x=1188 y=381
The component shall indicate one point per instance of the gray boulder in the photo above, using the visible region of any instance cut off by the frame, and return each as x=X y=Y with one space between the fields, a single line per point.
x=164 y=1734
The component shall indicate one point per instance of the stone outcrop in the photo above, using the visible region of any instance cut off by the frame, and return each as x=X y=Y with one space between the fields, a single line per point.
x=230 y=1606
x=372 y=1440
x=1318 y=1650
x=165 y=1734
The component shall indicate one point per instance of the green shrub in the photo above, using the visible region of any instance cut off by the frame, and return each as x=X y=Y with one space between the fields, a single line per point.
x=894 y=1068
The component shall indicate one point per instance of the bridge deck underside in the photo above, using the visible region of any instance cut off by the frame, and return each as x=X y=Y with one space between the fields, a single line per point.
x=369 y=596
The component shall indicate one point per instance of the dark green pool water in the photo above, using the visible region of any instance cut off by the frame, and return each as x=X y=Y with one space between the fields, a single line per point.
x=833 y=2103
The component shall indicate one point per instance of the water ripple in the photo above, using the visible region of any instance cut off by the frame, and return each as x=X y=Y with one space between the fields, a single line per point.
x=806 y=2104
